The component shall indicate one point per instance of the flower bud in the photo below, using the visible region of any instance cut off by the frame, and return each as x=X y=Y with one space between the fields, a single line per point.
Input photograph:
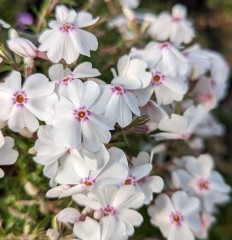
x=179 y=11
x=31 y=189
x=52 y=234
x=21 y=46
x=87 y=211
x=98 y=215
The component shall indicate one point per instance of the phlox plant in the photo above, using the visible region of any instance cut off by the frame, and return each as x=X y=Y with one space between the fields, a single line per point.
x=103 y=137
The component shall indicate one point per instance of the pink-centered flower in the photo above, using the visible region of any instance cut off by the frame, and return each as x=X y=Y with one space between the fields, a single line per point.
x=75 y=176
x=22 y=105
x=177 y=217
x=76 y=122
x=117 y=104
x=117 y=202
x=63 y=77
x=174 y=27
x=138 y=176
x=164 y=57
x=181 y=127
x=199 y=179
x=167 y=89
x=53 y=154
x=66 y=39
x=117 y=101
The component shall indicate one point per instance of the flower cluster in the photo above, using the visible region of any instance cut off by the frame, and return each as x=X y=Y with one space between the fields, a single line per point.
x=76 y=117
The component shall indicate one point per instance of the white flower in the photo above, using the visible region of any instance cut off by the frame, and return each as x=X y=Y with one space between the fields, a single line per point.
x=155 y=113
x=176 y=27
x=115 y=202
x=204 y=94
x=69 y=215
x=200 y=180
x=48 y=150
x=177 y=217
x=108 y=228
x=220 y=70
x=53 y=154
x=8 y=155
x=22 y=105
x=131 y=73
x=117 y=102
x=75 y=173
x=52 y=234
x=209 y=127
x=75 y=121
x=167 y=89
x=22 y=46
x=163 y=56
x=199 y=60
x=66 y=40
x=181 y=127
x=64 y=76
x=139 y=177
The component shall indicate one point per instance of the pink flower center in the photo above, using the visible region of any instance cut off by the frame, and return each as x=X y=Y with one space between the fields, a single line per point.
x=176 y=19
x=203 y=184
x=185 y=135
x=157 y=79
x=66 y=80
x=20 y=98
x=87 y=181
x=81 y=114
x=108 y=210
x=165 y=45
x=130 y=180
x=67 y=27
x=176 y=218
x=118 y=89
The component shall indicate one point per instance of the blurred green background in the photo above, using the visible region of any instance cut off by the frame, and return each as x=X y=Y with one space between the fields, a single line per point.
x=26 y=213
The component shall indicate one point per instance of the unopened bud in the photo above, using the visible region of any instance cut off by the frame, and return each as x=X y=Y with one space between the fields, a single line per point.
x=32 y=151
x=52 y=234
x=98 y=215
x=26 y=133
x=179 y=11
x=129 y=14
x=31 y=189
x=27 y=228
x=87 y=211
x=21 y=46
x=2 y=124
